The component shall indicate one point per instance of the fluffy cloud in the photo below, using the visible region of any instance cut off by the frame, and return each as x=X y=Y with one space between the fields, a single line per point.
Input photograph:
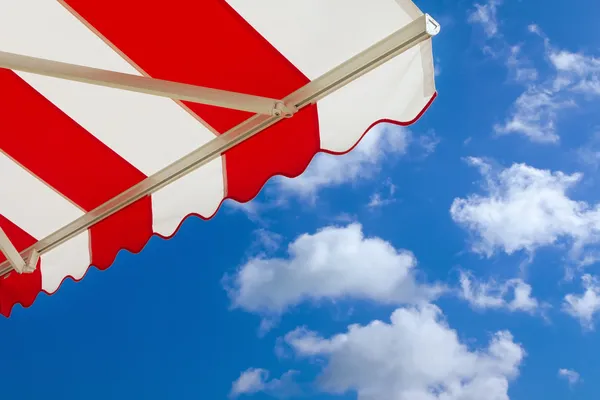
x=383 y=197
x=335 y=262
x=575 y=71
x=523 y=208
x=255 y=380
x=513 y=295
x=376 y=201
x=485 y=15
x=571 y=376
x=266 y=240
x=584 y=306
x=250 y=381
x=520 y=68
x=251 y=209
x=414 y=356
x=536 y=111
x=534 y=114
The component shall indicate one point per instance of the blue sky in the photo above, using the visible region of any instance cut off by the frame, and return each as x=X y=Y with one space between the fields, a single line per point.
x=472 y=237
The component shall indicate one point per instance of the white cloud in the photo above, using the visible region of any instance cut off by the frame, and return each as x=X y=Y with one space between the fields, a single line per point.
x=250 y=208
x=335 y=262
x=428 y=143
x=376 y=200
x=520 y=68
x=533 y=28
x=584 y=306
x=415 y=356
x=523 y=208
x=576 y=63
x=571 y=376
x=380 y=199
x=519 y=65
x=255 y=380
x=486 y=16
x=513 y=295
x=536 y=111
x=575 y=71
x=331 y=170
x=250 y=381
x=267 y=240
x=534 y=115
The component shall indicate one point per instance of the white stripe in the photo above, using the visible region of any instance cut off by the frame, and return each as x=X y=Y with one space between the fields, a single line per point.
x=185 y=196
x=38 y=210
x=68 y=259
x=30 y=203
x=317 y=35
x=398 y=90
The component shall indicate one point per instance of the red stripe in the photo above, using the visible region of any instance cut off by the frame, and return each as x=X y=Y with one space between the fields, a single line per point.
x=207 y=43
x=44 y=140
x=18 y=288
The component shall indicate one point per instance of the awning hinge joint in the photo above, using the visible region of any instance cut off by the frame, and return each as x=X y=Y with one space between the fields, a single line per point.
x=280 y=109
x=19 y=264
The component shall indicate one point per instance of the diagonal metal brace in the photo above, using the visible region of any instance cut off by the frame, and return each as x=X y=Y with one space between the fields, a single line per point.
x=147 y=85
x=14 y=258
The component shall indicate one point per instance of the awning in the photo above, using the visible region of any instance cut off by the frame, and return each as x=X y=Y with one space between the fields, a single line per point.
x=119 y=119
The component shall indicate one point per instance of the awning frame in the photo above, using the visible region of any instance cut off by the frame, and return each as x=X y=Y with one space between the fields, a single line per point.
x=268 y=112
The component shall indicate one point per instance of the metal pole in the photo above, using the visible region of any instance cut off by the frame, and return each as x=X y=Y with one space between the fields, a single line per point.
x=11 y=253
x=144 y=84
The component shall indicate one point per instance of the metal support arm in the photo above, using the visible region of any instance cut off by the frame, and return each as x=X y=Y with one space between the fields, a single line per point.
x=14 y=258
x=144 y=84
x=409 y=36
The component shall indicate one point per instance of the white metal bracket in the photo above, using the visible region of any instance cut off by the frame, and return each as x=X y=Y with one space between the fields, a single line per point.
x=14 y=258
x=432 y=27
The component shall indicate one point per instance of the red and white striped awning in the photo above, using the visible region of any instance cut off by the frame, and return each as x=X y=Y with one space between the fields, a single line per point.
x=92 y=165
